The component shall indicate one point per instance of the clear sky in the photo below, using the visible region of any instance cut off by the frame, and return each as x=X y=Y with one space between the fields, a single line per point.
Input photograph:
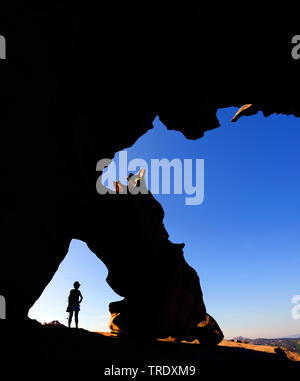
x=243 y=240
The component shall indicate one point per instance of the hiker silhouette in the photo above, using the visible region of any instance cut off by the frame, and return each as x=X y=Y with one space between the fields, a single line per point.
x=75 y=298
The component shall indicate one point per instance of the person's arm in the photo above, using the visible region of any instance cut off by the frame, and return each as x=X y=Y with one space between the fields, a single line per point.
x=81 y=297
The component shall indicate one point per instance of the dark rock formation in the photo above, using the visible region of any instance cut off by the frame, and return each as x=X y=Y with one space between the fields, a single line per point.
x=82 y=81
x=162 y=294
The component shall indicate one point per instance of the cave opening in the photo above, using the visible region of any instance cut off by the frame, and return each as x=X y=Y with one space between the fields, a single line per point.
x=80 y=264
x=242 y=240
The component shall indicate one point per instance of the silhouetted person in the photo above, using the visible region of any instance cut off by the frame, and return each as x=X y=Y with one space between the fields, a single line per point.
x=75 y=298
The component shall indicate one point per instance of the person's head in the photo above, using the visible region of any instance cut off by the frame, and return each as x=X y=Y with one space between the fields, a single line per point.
x=76 y=285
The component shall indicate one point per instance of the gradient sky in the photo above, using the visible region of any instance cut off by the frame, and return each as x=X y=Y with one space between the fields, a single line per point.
x=243 y=240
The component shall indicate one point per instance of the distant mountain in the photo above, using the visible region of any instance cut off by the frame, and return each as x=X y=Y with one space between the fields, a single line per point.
x=291 y=343
x=297 y=336
x=241 y=338
x=55 y=323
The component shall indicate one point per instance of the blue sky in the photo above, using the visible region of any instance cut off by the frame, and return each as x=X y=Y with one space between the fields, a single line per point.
x=243 y=240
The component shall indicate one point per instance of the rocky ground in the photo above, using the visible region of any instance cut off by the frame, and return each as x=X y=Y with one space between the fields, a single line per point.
x=33 y=340
x=263 y=349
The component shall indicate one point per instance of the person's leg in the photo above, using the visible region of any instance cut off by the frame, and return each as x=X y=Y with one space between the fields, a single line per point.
x=76 y=318
x=70 y=318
